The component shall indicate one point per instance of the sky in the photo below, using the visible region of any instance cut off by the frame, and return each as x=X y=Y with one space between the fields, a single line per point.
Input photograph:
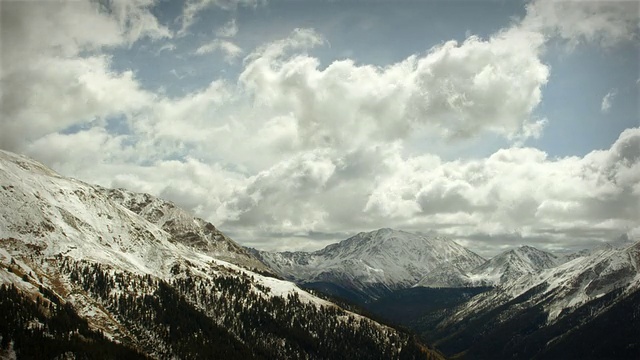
x=294 y=124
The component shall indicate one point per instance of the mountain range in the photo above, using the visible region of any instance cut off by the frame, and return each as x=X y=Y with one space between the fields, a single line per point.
x=522 y=303
x=372 y=263
x=92 y=272
x=110 y=273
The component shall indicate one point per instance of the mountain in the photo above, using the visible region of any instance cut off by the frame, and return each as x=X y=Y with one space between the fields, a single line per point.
x=572 y=283
x=372 y=263
x=584 y=308
x=507 y=266
x=184 y=228
x=101 y=273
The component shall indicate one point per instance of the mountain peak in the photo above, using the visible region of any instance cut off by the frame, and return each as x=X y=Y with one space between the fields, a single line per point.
x=127 y=229
x=110 y=263
x=512 y=264
x=384 y=257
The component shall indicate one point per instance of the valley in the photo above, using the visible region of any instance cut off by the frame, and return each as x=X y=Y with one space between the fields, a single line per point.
x=141 y=278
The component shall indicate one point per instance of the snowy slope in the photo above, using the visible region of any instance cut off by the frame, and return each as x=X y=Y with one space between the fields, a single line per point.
x=568 y=285
x=586 y=308
x=45 y=215
x=507 y=266
x=392 y=258
x=49 y=215
x=95 y=248
x=184 y=228
x=66 y=216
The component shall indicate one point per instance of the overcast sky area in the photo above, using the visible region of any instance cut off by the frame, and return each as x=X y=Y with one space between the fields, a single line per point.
x=294 y=124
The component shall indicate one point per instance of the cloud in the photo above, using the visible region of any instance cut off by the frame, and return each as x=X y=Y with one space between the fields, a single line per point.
x=606 y=22
x=230 y=50
x=457 y=90
x=303 y=177
x=230 y=29
x=518 y=190
x=606 y=101
x=52 y=94
x=299 y=149
x=193 y=7
x=515 y=194
x=136 y=21
x=63 y=79
x=166 y=47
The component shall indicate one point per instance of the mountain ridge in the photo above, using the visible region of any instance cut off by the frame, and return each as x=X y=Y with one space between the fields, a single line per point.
x=381 y=258
x=506 y=266
x=130 y=269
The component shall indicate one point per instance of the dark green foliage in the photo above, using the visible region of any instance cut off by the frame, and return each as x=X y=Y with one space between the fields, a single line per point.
x=36 y=331
x=421 y=308
x=164 y=323
x=525 y=334
x=614 y=334
x=349 y=294
x=232 y=317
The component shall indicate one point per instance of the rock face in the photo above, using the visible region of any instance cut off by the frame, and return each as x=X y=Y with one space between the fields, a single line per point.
x=572 y=283
x=502 y=268
x=193 y=232
x=115 y=274
x=385 y=258
x=584 y=308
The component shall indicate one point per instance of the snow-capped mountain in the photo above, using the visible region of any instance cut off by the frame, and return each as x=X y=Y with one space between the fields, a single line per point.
x=507 y=266
x=184 y=228
x=119 y=274
x=116 y=227
x=554 y=312
x=573 y=283
x=390 y=258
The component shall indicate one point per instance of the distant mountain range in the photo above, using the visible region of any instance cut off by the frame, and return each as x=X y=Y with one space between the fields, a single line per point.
x=377 y=262
x=372 y=263
x=522 y=303
x=586 y=308
x=504 y=267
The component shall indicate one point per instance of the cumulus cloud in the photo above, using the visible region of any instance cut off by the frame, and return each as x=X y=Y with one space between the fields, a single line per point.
x=63 y=79
x=54 y=93
x=456 y=89
x=297 y=148
x=606 y=22
x=230 y=50
x=605 y=106
x=519 y=190
x=516 y=193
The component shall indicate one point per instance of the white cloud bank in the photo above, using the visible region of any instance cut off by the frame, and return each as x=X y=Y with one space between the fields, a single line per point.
x=456 y=90
x=295 y=148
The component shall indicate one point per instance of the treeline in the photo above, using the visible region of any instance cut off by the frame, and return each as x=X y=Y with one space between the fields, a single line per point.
x=46 y=329
x=232 y=316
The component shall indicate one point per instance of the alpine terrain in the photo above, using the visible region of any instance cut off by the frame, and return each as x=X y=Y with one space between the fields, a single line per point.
x=523 y=303
x=371 y=264
x=585 y=308
x=504 y=267
x=92 y=272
